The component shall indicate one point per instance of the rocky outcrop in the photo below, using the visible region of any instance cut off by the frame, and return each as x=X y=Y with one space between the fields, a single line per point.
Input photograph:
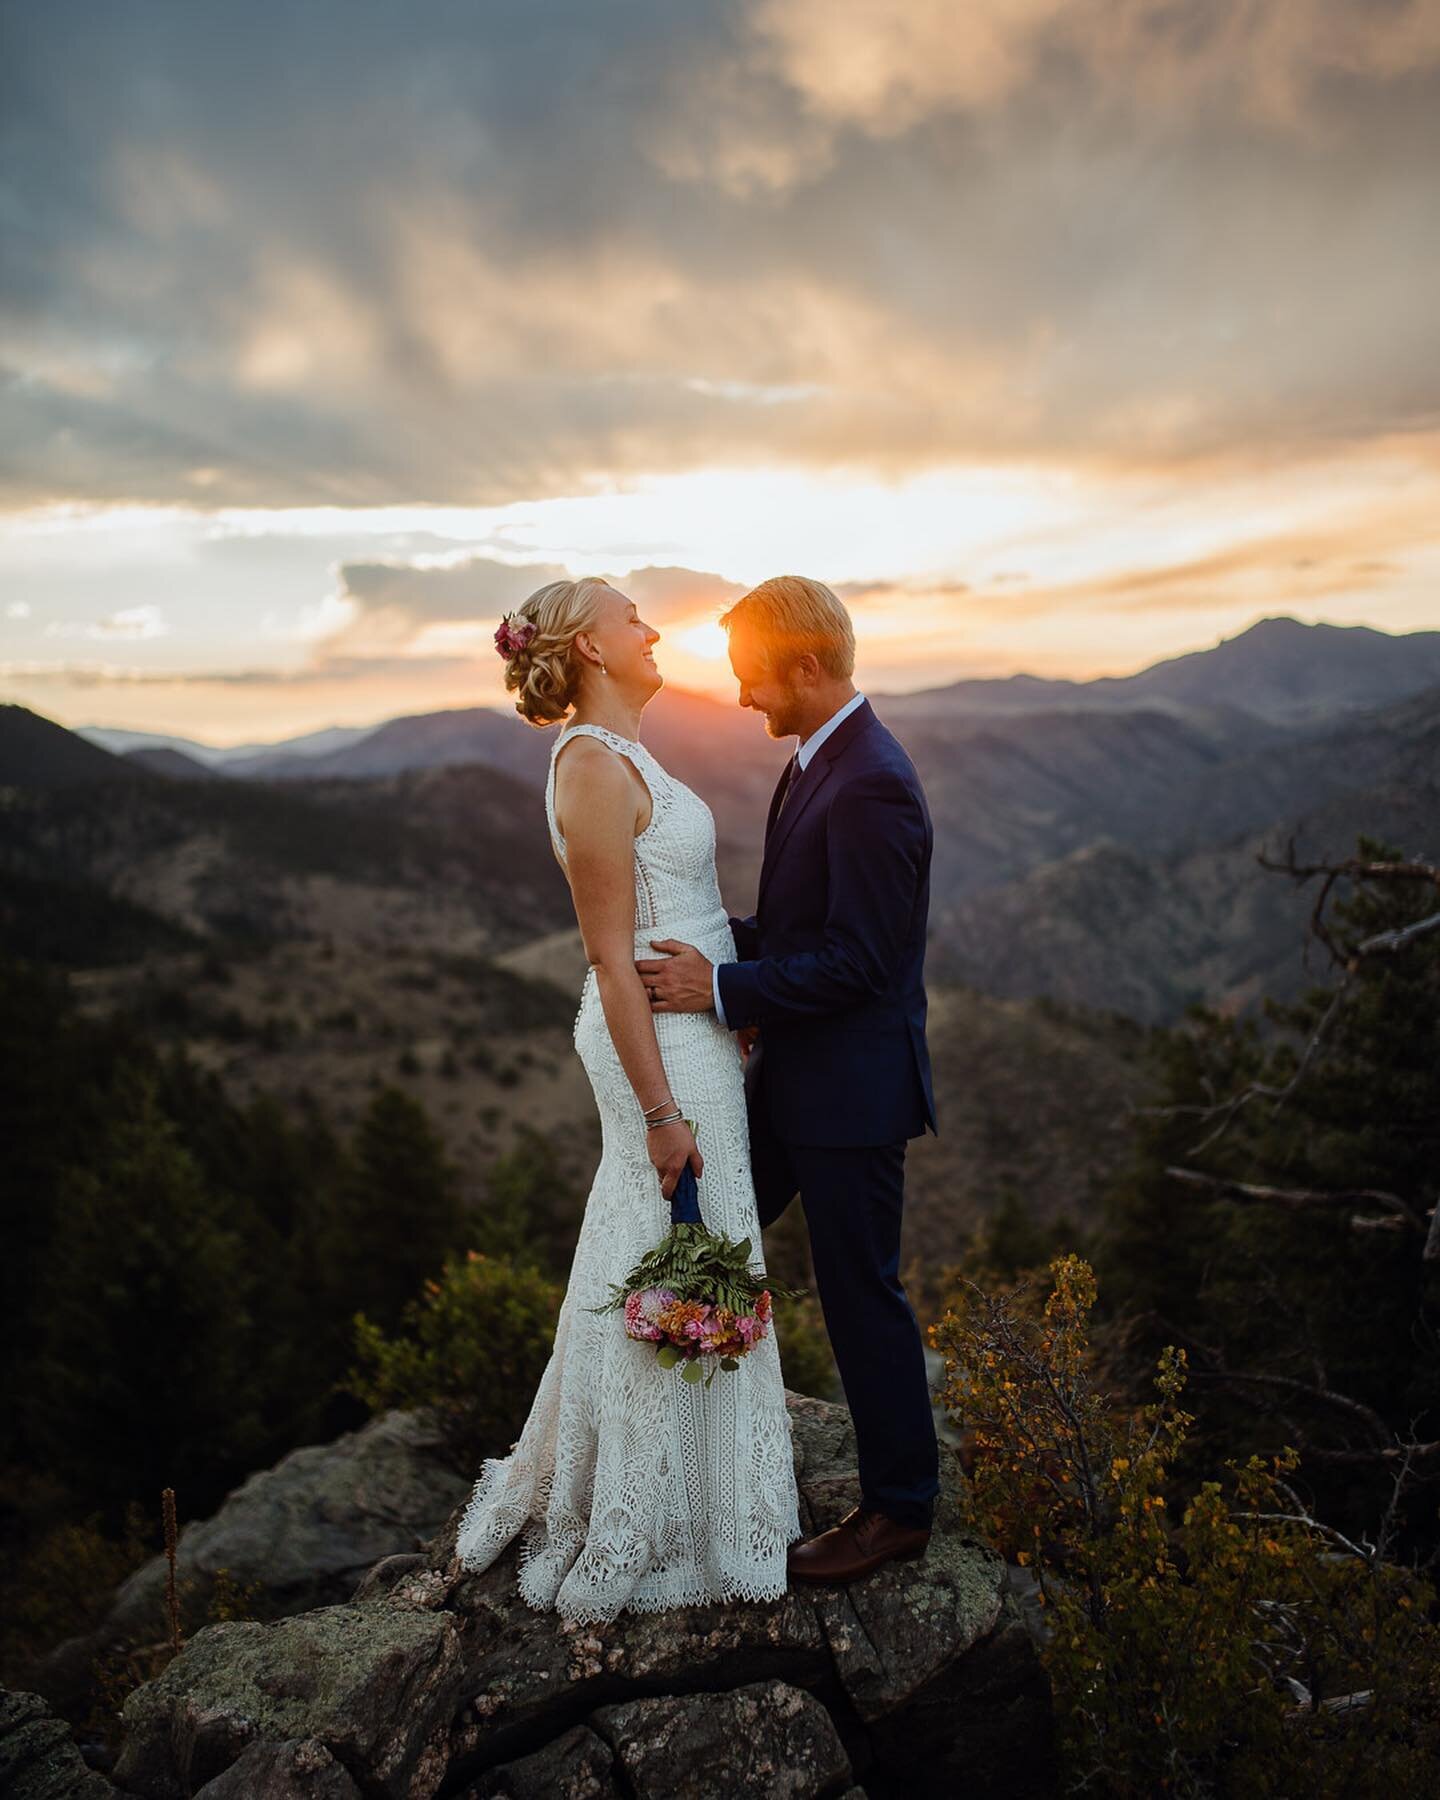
x=38 y=1757
x=298 y=1535
x=919 y=1679
x=768 y=1738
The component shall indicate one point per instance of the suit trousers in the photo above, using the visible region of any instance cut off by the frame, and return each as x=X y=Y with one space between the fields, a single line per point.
x=853 y=1197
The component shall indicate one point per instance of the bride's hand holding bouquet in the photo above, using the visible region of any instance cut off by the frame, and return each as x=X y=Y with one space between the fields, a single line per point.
x=694 y=1295
x=670 y=1140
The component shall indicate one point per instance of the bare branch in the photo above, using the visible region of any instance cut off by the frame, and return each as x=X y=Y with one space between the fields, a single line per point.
x=1311 y=1523
x=1356 y=868
x=1318 y=1390
x=1392 y=1455
x=1431 y=1252
x=1287 y=1384
x=1400 y=1455
x=1298 y=1199
x=1397 y=939
x=1348 y=1703
x=1225 y=1112
x=1349 y=958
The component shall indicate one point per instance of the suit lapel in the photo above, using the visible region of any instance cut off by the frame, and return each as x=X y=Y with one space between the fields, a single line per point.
x=808 y=784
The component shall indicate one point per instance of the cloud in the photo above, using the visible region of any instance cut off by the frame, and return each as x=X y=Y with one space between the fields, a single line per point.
x=129 y=622
x=389 y=604
x=338 y=669
x=391 y=615
x=1302 y=566
x=357 y=255
x=667 y=595
x=389 y=620
x=895 y=593
x=885 y=67
x=445 y=587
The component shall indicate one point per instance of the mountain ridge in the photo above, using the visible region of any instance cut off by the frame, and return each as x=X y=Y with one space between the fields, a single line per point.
x=1292 y=675
x=1104 y=856
x=1291 y=671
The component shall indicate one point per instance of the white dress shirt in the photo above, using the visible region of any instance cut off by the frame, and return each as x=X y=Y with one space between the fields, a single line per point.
x=802 y=756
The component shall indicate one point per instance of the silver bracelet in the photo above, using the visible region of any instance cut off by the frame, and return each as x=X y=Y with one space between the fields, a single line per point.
x=675 y=1118
x=659 y=1105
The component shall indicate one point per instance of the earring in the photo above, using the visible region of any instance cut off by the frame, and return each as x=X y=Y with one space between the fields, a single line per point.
x=603 y=669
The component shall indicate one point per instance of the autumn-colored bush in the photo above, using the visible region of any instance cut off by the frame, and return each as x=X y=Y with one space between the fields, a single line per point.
x=1242 y=1648
x=472 y=1347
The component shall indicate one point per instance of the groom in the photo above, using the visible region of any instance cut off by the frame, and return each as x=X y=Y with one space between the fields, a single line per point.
x=831 y=974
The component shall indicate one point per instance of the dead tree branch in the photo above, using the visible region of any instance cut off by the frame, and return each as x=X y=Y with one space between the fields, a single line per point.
x=1349 y=958
x=1386 y=1450
x=1225 y=1112
x=1323 y=1396
x=1299 y=1199
x=1358 y=868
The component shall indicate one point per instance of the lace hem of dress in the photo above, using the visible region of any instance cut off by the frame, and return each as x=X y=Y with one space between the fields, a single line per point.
x=635 y=1566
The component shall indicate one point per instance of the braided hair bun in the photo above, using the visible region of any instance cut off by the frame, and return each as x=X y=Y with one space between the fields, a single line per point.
x=537 y=642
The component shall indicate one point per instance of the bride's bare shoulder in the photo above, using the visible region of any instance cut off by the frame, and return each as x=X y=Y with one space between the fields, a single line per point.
x=591 y=777
x=583 y=759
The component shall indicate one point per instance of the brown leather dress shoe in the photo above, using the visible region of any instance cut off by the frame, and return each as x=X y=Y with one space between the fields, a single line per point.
x=859 y=1543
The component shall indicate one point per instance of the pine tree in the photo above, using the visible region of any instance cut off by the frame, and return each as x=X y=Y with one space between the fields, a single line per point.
x=143 y=1377
x=1301 y=1327
x=394 y=1215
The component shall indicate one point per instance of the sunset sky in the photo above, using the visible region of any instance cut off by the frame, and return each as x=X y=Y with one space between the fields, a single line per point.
x=1059 y=335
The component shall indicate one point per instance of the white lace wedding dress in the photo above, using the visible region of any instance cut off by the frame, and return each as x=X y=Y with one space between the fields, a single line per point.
x=633 y=1488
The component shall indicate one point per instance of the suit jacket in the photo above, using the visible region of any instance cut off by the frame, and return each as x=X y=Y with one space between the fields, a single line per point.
x=832 y=960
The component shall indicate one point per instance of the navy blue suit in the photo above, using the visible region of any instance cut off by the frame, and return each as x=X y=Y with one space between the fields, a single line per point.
x=832 y=971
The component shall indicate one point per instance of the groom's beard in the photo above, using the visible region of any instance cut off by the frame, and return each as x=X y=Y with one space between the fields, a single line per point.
x=782 y=723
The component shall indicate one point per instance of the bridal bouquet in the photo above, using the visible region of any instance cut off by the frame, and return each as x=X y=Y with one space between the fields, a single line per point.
x=693 y=1296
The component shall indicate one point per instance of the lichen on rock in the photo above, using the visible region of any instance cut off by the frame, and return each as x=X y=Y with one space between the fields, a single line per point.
x=918 y=1679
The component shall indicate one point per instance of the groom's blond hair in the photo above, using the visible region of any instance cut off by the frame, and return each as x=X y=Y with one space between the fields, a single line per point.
x=790 y=614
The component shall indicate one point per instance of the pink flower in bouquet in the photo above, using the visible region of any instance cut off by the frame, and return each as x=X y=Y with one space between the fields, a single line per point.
x=716 y=1331
x=751 y=1328
x=762 y=1306
x=637 y=1325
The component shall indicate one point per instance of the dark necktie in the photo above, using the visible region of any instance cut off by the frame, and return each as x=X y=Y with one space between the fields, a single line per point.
x=792 y=775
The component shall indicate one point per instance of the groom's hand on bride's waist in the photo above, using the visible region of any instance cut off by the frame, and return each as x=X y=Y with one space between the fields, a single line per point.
x=678 y=981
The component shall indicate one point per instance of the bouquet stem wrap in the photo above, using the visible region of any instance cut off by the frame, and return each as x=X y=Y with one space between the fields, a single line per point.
x=685 y=1201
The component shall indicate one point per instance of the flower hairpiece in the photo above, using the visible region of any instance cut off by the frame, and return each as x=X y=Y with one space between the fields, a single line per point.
x=514 y=634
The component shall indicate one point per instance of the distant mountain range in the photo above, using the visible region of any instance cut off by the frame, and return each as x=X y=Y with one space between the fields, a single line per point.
x=446 y=858
x=1278 y=673
x=1279 y=670
x=1094 y=840
x=1156 y=912
x=123 y=742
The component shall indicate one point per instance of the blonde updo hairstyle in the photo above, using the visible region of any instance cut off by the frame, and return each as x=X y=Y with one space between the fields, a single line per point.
x=546 y=673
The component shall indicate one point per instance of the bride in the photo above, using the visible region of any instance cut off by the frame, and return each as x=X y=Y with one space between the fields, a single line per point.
x=632 y=1488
